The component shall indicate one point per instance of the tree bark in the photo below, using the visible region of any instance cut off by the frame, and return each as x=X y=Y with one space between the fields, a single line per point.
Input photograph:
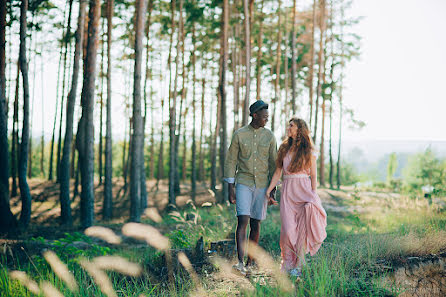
x=321 y=67
x=338 y=165
x=248 y=62
x=107 y=210
x=201 y=172
x=85 y=135
x=65 y=205
x=222 y=92
x=25 y=194
x=311 y=70
x=143 y=168
x=193 y=175
x=293 y=59
x=278 y=60
x=15 y=135
x=259 y=53
x=4 y=170
x=172 y=117
x=101 y=107
x=137 y=154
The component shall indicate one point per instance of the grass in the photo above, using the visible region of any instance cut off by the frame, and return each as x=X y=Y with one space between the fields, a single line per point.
x=377 y=229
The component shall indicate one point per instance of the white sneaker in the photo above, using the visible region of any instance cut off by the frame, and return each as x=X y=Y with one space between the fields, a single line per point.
x=240 y=268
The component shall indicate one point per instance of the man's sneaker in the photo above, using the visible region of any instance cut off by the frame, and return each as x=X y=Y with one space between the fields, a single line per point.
x=240 y=268
x=295 y=272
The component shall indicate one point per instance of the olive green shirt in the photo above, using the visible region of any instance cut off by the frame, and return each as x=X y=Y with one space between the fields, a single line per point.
x=251 y=158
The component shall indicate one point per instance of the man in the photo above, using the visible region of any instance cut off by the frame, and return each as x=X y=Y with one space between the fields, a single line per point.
x=250 y=164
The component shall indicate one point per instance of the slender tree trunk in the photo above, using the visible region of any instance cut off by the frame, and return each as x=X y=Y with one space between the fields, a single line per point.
x=65 y=206
x=42 y=137
x=66 y=41
x=294 y=59
x=193 y=175
x=321 y=67
x=101 y=106
x=85 y=135
x=311 y=70
x=160 y=174
x=235 y=81
x=222 y=92
x=287 y=41
x=25 y=195
x=15 y=135
x=332 y=86
x=182 y=100
x=259 y=53
x=341 y=84
x=53 y=137
x=143 y=168
x=4 y=169
x=201 y=172
x=214 y=148
x=278 y=60
x=107 y=210
x=137 y=154
x=323 y=107
x=248 y=62
x=172 y=117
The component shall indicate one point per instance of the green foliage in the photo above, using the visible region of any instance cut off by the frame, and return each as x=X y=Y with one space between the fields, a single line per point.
x=391 y=167
x=425 y=169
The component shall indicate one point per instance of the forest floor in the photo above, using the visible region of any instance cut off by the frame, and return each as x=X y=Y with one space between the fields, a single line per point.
x=379 y=243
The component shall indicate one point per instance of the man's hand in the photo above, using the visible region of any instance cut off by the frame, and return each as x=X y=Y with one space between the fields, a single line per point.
x=231 y=191
x=270 y=197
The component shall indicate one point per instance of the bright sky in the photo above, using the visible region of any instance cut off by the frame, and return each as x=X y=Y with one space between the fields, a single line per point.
x=397 y=86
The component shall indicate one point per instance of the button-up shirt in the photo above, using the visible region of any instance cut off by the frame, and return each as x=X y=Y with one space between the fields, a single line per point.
x=251 y=158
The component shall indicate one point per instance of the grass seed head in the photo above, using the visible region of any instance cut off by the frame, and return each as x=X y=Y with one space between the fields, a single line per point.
x=61 y=270
x=25 y=280
x=118 y=264
x=103 y=233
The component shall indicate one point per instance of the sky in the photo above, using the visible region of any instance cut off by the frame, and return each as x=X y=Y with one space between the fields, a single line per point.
x=395 y=87
x=398 y=85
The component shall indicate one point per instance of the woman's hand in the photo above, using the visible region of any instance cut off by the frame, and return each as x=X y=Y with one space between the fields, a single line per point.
x=270 y=197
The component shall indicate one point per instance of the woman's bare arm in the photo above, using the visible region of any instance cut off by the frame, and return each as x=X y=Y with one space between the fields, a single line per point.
x=313 y=173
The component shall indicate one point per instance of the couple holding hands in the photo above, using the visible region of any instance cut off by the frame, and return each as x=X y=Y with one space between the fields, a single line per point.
x=253 y=168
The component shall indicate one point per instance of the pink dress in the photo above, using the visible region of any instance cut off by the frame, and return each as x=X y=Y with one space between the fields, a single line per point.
x=302 y=215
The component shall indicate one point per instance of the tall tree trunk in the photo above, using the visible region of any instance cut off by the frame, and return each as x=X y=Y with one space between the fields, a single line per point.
x=321 y=67
x=214 y=148
x=323 y=107
x=53 y=137
x=4 y=170
x=65 y=206
x=42 y=137
x=201 y=172
x=160 y=174
x=294 y=59
x=278 y=60
x=66 y=41
x=248 y=62
x=172 y=116
x=222 y=92
x=143 y=168
x=85 y=135
x=193 y=175
x=341 y=85
x=285 y=66
x=107 y=210
x=259 y=53
x=15 y=135
x=235 y=81
x=137 y=154
x=332 y=86
x=25 y=195
x=101 y=106
x=311 y=70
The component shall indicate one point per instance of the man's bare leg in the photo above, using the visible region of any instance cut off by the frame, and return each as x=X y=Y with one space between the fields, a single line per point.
x=240 y=236
x=254 y=235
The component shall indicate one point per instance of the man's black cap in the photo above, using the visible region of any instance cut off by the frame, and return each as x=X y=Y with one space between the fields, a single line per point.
x=256 y=106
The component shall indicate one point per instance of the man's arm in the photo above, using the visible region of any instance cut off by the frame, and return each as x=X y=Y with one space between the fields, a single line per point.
x=231 y=167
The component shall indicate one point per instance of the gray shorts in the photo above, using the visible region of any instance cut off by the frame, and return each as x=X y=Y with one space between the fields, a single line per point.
x=251 y=201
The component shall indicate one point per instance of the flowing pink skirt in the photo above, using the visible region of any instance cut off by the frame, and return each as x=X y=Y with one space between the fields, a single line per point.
x=303 y=220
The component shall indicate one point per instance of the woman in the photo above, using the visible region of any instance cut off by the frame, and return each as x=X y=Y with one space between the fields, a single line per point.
x=301 y=212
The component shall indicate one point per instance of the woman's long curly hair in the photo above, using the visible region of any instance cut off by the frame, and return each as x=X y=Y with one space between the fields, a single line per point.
x=302 y=147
